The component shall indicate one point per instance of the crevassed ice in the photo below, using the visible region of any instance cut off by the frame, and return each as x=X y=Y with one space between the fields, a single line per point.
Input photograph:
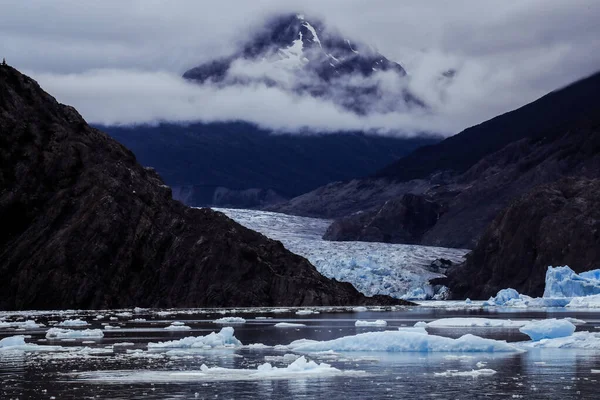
x=396 y=270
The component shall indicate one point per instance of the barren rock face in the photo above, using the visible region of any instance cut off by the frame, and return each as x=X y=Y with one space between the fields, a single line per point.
x=83 y=225
x=556 y=224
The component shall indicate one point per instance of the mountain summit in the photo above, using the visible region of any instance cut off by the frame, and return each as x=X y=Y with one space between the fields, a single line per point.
x=305 y=57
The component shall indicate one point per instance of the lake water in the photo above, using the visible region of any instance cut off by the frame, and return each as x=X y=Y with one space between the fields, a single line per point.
x=119 y=365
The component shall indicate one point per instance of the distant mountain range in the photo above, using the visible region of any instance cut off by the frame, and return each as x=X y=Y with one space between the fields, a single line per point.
x=241 y=165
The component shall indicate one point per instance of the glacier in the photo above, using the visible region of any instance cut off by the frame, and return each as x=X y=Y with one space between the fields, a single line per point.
x=397 y=270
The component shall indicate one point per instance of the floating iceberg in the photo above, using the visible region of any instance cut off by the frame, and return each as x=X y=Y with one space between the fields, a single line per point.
x=473 y=373
x=379 y=323
x=29 y=324
x=564 y=282
x=223 y=339
x=578 y=340
x=592 y=301
x=563 y=288
x=548 y=329
x=177 y=326
x=301 y=368
x=73 y=322
x=60 y=333
x=288 y=325
x=229 y=320
x=475 y=322
x=18 y=343
x=403 y=341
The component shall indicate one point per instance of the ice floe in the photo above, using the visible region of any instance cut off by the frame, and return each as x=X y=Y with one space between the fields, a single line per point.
x=578 y=340
x=548 y=329
x=378 y=323
x=403 y=341
x=473 y=373
x=288 y=325
x=224 y=339
x=229 y=320
x=301 y=368
x=17 y=343
x=28 y=324
x=475 y=322
x=61 y=333
x=177 y=326
x=73 y=322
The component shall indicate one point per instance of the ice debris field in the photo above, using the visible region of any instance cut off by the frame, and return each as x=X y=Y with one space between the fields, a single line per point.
x=398 y=270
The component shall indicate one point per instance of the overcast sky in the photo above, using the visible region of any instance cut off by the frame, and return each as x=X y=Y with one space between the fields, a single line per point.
x=121 y=61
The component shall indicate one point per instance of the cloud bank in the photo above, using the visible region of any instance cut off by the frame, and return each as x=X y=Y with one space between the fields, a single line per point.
x=121 y=62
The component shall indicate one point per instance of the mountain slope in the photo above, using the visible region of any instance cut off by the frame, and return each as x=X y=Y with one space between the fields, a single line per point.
x=217 y=164
x=85 y=226
x=545 y=117
x=556 y=224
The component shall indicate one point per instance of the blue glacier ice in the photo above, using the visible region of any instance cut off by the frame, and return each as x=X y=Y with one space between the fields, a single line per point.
x=564 y=282
x=548 y=329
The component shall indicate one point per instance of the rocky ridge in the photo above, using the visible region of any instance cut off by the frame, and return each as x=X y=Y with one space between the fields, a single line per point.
x=85 y=226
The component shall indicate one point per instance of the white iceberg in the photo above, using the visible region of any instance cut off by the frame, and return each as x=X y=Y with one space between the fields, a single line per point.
x=288 y=325
x=379 y=323
x=578 y=340
x=301 y=368
x=229 y=320
x=17 y=343
x=403 y=341
x=473 y=373
x=592 y=301
x=60 y=333
x=306 y=312
x=475 y=322
x=177 y=326
x=29 y=324
x=223 y=339
x=73 y=322
x=548 y=329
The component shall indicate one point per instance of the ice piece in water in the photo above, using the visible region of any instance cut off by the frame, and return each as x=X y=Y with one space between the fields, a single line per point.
x=548 y=329
x=420 y=324
x=60 y=333
x=592 y=301
x=29 y=324
x=564 y=282
x=578 y=340
x=177 y=327
x=473 y=373
x=404 y=341
x=306 y=312
x=359 y=309
x=301 y=368
x=229 y=320
x=288 y=325
x=73 y=322
x=11 y=341
x=475 y=322
x=224 y=338
x=379 y=322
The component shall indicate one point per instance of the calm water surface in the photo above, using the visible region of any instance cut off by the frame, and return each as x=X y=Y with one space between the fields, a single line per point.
x=535 y=374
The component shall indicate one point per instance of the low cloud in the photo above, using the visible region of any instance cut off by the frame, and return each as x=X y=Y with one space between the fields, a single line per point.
x=121 y=62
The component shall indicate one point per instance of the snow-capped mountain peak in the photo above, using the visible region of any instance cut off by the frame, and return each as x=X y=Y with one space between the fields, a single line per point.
x=304 y=56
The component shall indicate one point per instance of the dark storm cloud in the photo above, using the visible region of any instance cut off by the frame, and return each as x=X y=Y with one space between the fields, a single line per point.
x=120 y=61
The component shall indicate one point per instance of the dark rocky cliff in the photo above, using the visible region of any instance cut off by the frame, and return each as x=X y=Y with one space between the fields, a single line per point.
x=556 y=224
x=85 y=226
